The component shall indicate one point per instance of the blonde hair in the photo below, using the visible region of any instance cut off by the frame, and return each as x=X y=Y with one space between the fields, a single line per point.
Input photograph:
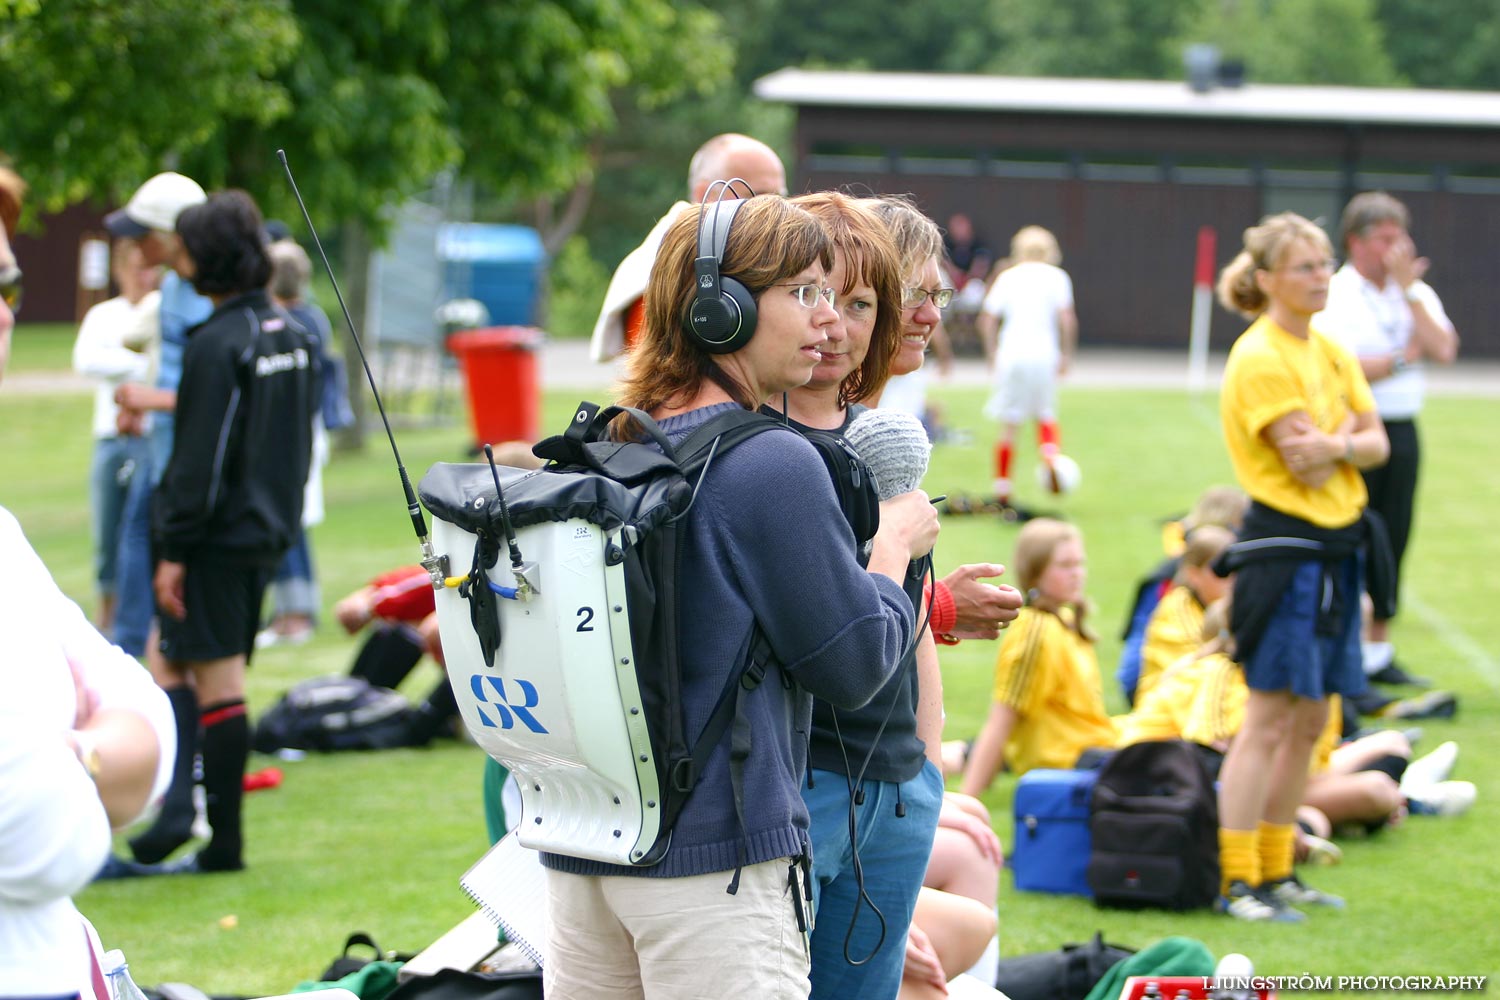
x=1033 y=243
x=866 y=243
x=917 y=237
x=1035 y=547
x=1265 y=247
x=1221 y=505
x=771 y=240
x=1204 y=545
x=1215 y=622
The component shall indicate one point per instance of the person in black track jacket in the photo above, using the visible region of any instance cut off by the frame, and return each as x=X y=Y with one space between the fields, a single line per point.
x=230 y=501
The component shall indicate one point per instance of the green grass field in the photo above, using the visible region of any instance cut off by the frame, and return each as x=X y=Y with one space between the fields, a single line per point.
x=377 y=842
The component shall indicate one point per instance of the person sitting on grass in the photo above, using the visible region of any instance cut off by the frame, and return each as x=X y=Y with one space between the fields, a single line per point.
x=1223 y=506
x=1048 y=704
x=1176 y=626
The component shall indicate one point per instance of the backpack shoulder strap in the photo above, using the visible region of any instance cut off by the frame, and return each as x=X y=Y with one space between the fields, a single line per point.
x=727 y=429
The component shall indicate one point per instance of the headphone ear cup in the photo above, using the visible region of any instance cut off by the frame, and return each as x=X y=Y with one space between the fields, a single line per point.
x=732 y=288
x=725 y=324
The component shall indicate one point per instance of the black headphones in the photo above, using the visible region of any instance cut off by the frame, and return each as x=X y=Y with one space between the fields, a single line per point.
x=721 y=319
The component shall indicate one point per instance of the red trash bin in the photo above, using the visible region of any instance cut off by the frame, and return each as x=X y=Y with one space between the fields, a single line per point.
x=499 y=366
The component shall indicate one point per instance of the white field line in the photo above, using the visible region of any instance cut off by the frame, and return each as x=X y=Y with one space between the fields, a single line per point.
x=1456 y=639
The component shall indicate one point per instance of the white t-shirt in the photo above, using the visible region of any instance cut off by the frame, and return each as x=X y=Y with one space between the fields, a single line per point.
x=54 y=833
x=101 y=351
x=1026 y=299
x=1369 y=320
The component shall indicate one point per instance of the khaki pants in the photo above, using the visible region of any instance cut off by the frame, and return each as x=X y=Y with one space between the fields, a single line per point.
x=620 y=936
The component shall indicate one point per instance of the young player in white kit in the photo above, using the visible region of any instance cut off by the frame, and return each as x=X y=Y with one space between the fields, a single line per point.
x=1029 y=330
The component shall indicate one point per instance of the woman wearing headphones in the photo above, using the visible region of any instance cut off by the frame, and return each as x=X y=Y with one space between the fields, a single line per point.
x=766 y=545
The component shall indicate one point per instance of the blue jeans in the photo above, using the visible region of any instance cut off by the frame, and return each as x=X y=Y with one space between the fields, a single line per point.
x=893 y=855
x=115 y=462
x=295 y=589
x=134 y=568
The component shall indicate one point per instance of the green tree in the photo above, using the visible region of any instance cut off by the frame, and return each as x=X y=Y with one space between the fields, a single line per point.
x=1452 y=45
x=1088 y=38
x=102 y=93
x=1296 y=41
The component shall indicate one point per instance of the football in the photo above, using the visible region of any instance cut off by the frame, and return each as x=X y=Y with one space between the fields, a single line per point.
x=1062 y=476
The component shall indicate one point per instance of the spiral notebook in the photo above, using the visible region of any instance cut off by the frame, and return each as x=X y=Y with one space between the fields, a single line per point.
x=510 y=885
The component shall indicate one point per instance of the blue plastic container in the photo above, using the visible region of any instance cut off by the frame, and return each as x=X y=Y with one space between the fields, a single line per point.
x=501 y=266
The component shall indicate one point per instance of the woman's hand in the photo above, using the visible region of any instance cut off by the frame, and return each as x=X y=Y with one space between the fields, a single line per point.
x=913 y=520
x=922 y=962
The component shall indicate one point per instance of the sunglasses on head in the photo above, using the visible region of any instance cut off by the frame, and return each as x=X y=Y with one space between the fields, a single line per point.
x=10 y=288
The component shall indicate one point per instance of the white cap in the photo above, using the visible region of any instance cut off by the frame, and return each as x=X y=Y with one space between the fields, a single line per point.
x=155 y=206
x=113 y=961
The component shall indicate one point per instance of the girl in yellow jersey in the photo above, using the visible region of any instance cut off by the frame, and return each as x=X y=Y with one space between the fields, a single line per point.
x=1300 y=423
x=1048 y=704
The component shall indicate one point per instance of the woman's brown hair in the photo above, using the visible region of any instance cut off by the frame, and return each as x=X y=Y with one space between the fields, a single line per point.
x=771 y=240
x=865 y=241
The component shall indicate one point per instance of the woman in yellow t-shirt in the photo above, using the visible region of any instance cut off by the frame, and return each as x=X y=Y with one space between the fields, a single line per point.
x=1048 y=703
x=1300 y=423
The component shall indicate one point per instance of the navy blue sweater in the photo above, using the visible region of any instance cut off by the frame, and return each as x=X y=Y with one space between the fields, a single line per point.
x=767 y=543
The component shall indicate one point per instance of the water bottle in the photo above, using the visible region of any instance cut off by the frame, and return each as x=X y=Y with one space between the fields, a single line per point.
x=117 y=978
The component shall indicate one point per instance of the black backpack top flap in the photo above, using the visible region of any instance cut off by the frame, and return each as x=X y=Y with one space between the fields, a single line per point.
x=464 y=495
x=1155 y=768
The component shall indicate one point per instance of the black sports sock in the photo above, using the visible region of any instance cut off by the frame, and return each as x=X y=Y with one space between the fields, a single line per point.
x=174 y=823
x=226 y=746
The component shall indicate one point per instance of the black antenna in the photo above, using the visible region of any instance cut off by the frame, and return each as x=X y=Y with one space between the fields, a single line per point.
x=434 y=564
x=510 y=532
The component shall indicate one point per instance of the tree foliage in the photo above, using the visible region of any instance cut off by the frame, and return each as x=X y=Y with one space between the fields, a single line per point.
x=1088 y=38
x=1455 y=44
x=370 y=100
x=1301 y=42
x=100 y=94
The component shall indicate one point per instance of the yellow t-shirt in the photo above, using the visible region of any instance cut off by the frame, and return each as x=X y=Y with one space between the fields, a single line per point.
x=1271 y=373
x=1174 y=630
x=1048 y=673
x=1163 y=714
x=1218 y=711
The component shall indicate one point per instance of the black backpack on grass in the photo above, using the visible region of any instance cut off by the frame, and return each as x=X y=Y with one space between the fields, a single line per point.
x=1154 y=825
x=336 y=713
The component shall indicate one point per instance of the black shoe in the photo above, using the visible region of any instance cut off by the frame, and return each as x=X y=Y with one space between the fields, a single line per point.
x=1372 y=702
x=1392 y=673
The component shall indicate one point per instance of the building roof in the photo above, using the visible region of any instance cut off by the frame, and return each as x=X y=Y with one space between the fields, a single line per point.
x=1131 y=98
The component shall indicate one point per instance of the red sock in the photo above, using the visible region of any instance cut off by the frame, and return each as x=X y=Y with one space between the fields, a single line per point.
x=1048 y=440
x=1003 y=453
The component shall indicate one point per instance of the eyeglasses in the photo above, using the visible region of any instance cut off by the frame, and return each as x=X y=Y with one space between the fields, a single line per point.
x=1308 y=269
x=10 y=288
x=911 y=298
x=808 y=293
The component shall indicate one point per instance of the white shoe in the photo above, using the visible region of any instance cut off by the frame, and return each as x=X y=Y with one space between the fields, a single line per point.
x=1321 y=851
x=1445 y=798
x=1429 y=769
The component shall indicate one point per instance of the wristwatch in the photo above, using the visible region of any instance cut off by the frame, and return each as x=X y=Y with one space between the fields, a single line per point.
x=1399 y=363
x=87 y=750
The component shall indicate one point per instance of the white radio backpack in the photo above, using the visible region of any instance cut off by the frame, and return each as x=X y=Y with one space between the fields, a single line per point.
x=563 y=657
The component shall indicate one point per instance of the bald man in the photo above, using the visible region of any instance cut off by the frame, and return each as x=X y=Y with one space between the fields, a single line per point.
x=720 y=158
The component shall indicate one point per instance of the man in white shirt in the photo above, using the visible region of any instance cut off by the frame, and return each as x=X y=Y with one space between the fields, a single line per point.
x=720 y=158
x=1379 y=306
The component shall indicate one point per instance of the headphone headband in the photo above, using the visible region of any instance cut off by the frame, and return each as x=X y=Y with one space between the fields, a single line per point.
x=722 y=315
